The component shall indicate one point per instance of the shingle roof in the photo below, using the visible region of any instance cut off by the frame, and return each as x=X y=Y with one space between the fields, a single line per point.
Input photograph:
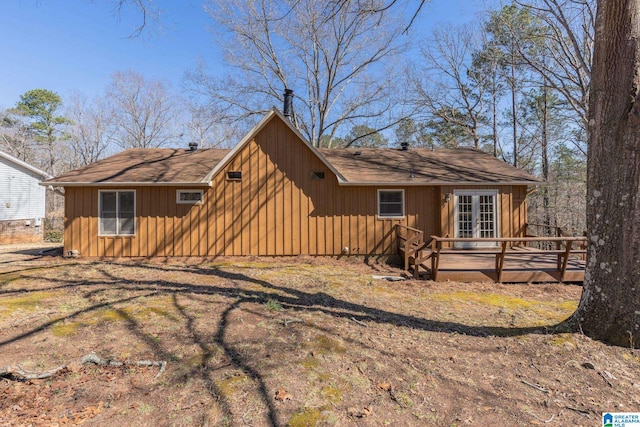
x=423 y=166
x=365 y=166
x=147 y=166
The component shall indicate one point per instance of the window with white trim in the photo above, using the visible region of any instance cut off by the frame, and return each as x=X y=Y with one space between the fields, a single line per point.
x=189 y=197
x=391 y=203
x=117 y=210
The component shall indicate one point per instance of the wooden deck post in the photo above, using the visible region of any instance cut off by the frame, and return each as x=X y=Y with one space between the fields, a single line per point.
x=565 y=260
x=500 y=261
x=435 y=259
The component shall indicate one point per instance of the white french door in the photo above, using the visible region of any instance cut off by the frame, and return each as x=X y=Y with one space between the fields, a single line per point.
x=476 y=216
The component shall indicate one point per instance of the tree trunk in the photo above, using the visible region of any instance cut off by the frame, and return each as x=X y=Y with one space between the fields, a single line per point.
x=513 y=113
x=494 y=111
x=609 y=309
x=545 y=160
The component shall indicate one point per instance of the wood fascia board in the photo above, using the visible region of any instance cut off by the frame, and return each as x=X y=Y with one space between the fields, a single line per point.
x=25 y=165
x=126 y=184
x=436 y=183
x=252 y=134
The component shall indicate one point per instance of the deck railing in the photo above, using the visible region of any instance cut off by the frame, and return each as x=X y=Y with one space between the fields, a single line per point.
x=544 y=230
x=507 y=246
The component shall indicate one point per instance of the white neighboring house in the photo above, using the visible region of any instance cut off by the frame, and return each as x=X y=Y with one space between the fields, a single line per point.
x=22 y=201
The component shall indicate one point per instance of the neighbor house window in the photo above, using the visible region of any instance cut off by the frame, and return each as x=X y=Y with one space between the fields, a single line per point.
x=317 y=175
x=117 y=213
x=234 y=175
x=390 y=203
x=189 y=197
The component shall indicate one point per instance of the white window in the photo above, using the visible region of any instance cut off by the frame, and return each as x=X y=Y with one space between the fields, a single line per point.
x=117 y=212
x=189 y=197
x=391 y=203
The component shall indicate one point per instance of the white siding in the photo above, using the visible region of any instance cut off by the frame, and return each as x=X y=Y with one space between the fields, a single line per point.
x=20 y=195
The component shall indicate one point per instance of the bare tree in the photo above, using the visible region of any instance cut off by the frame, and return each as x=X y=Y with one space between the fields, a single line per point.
x=148 y=11
x=142 y=111
x=90 y=131
x=331 y=53
x=610 y=299
x=203 y=120
x=565 y=61
x=448 y=87
x=16 y=137
x=203 y=123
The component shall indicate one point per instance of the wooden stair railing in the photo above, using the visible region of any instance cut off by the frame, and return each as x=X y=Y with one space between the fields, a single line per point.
x=422 y=255
x=410 y=240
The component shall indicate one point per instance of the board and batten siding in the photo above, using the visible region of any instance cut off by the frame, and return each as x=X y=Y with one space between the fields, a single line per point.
x=276 y=208
x=21 y=196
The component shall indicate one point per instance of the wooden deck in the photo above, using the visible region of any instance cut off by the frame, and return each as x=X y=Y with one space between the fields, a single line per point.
x=467 y=266
x=511 y=260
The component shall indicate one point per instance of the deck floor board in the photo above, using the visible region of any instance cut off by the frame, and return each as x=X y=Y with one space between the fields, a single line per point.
x=534 y=268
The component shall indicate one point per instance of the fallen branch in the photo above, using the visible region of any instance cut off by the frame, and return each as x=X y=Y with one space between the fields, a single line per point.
x=287 y=322
x=358 y=322
x=93 y=358
x=605 y=379
x=580 y=411
x=162 y=364
x=540 y=419
x=17 y=372
x=537 y=387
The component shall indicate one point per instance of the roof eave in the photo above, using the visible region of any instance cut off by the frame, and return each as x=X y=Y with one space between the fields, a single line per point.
x=435 y=183
x=126 y=184
x=15 y=160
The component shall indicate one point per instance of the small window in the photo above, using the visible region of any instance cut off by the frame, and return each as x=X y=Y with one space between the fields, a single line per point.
x=234 y=175
x=317 y=175
x=189 y=197
x=117 y=213
x=391 y=203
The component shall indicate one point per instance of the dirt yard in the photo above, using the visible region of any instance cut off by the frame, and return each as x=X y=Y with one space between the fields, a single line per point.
x=292 y=341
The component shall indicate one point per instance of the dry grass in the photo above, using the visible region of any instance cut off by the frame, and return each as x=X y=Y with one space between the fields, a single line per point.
x=340 y=347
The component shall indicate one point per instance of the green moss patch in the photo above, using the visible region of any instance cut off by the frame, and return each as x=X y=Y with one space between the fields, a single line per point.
x=28 y=301
x=331 y=393
x=229 y=386
x=65 y=329
x=305 y=417
x=557 y=310
x=9 y=277
x=323 y=344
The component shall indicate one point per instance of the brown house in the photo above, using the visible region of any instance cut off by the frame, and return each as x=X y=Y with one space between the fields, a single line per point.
x=275 y=194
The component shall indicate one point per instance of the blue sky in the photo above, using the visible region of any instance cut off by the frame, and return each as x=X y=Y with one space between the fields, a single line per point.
x=75 y=45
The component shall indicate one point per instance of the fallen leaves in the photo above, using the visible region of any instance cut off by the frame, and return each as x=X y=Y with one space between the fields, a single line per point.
x=282 y=395
x=357 y=413
x=384 y=386
x=62 y=399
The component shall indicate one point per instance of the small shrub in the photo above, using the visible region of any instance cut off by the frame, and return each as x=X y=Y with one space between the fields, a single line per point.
x=273 y=305
x=53 y=236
